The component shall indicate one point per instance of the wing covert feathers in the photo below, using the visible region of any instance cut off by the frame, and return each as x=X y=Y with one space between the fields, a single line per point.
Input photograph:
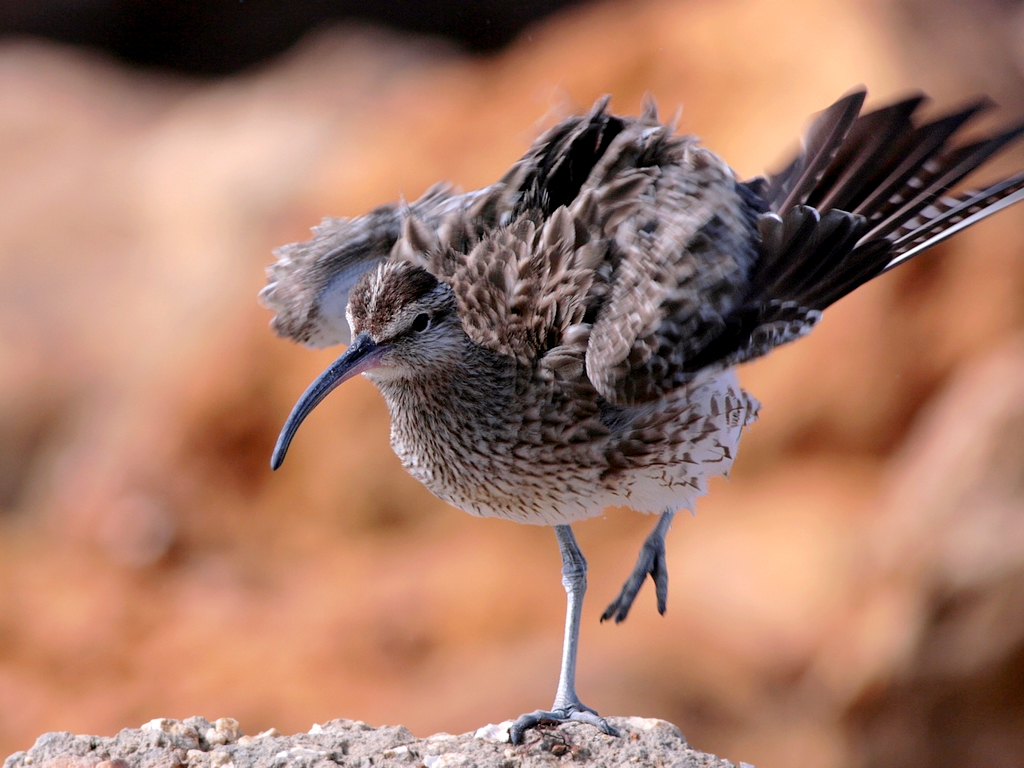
x=683 y=264
x=524 y=290
x=619 y=252
x=613 y=248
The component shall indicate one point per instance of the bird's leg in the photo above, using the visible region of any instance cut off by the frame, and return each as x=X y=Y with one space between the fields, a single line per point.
x=650 y=561
x=567 y=704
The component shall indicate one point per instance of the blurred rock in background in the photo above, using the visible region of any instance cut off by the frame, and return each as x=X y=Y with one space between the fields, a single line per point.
x=854 y=596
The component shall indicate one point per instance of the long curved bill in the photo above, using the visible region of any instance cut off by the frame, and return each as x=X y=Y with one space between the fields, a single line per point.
x=362 y=355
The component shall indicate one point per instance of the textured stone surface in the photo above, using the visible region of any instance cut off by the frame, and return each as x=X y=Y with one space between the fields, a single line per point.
x=197 y=743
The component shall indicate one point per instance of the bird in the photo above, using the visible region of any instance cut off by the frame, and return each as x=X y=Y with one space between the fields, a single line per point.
x=566 y=339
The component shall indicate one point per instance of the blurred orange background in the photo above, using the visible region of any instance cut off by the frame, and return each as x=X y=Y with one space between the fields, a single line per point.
x=853 y=596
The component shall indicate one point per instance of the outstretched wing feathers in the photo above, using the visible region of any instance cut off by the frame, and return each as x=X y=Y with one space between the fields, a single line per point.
x=958 y=214
x=914 y=151
x=874 y=141
x=950 y=170
x=308 y=285
x=522 y=289
x=617 y=250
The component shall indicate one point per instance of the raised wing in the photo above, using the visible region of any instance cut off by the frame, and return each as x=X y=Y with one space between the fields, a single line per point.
x=307 y=287
x=681 y=257
x=613 y=248
x=619 y=251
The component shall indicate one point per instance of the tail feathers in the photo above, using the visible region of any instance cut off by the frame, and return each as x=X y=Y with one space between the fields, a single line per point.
x=968 y=209
x=867 y=193
x=824 y=139
x=951 y=170
x=913 y=157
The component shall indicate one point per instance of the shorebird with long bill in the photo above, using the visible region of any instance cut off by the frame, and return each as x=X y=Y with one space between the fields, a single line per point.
x=566 y=338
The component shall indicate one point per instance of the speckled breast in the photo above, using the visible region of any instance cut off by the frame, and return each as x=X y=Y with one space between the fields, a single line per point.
x=550 y=456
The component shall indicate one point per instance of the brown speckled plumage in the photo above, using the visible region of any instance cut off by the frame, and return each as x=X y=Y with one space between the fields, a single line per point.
x=565 y=339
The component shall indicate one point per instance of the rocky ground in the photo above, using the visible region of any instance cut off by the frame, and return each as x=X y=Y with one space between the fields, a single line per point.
x=197 y=743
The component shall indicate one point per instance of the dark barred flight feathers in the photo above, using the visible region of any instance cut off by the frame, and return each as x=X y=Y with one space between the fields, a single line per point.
x=618 y=250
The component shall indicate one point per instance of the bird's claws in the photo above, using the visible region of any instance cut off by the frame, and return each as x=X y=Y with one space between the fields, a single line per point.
x=578 y=713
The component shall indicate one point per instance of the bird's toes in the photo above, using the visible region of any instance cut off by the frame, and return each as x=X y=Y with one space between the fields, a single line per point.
x=650 y=562
x=587 y=715
x=619 y=607
x=525 y=722
x=577 y=713
x=660 y=576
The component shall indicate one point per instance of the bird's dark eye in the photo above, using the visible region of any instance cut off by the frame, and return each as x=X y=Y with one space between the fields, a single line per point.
x=421 y=322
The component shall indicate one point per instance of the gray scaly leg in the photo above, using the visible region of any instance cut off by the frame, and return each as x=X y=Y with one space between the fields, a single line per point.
x=567 y=704
x=650 y=561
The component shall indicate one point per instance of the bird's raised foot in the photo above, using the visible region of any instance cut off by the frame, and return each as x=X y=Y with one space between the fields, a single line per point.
x=651 y=560
x=577 y=713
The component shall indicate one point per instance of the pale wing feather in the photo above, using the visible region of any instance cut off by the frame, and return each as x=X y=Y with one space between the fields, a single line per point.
x=618 y=255
x=308 y=285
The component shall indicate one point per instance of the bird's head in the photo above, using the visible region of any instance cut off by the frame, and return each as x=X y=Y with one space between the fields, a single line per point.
x=409 y=318
x=405 y=327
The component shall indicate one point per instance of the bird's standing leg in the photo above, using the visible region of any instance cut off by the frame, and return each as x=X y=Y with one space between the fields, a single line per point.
x=650 y=561
x=567 y=704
